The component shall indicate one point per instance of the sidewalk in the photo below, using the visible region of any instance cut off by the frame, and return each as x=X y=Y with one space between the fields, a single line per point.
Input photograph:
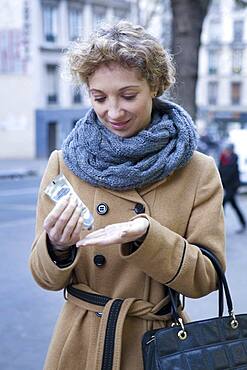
x=12 y=168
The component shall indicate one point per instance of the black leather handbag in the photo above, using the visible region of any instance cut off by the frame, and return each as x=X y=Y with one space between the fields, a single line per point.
x=217 y=343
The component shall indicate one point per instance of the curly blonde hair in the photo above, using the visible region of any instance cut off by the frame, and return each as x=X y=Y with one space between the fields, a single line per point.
x=128 y=45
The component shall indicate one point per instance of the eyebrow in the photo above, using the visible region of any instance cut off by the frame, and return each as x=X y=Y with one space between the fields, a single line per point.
x=123 y=88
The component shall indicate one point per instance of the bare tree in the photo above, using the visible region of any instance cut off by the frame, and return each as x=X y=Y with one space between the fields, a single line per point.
x=188 y=17
x=187 y=21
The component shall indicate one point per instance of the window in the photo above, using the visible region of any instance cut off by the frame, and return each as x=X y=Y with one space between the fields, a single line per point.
x=76 y=96
x=50 y=22
x=212 y=61
x=52 y=84
x=52 y=136
x=237 y=56
x=99 y=15
x=75 y=23
x=236 y=93
x=238 y=30
x=212 y=92
x=214 y=30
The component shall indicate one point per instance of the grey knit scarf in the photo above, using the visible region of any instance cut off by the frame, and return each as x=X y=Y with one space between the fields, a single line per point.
x=102 y=158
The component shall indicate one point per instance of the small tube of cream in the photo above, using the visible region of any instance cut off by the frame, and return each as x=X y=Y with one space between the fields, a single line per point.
x=61 y=187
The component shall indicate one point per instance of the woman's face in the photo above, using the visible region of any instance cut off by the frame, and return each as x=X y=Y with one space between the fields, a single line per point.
x=121 y=99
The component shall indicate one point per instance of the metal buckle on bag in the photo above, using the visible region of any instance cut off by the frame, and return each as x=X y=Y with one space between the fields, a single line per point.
x=182 y=334
x=234 y=321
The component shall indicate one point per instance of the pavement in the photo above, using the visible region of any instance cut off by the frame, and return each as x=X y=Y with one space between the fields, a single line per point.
x=17 y=168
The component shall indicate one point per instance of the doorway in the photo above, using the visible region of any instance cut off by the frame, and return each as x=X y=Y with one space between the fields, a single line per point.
x=52 y=137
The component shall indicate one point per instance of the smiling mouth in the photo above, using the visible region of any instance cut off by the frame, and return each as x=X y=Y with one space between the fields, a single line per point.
x=118 y=125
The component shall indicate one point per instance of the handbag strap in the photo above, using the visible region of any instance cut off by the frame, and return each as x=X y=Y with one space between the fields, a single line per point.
x=221 y=276
x=222 y=286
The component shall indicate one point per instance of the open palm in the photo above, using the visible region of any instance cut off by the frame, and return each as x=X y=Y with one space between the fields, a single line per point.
x=119 y=233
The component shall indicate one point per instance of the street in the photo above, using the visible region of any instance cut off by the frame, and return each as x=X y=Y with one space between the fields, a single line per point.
x=28 y=313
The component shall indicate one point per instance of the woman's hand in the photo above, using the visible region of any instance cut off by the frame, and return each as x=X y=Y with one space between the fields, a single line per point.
x=64 y=223
x=120 y=233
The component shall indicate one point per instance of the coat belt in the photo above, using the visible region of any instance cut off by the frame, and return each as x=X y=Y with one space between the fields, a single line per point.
x=113 y=313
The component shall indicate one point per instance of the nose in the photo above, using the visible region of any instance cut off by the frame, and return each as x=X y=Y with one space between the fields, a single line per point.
x=115 y=112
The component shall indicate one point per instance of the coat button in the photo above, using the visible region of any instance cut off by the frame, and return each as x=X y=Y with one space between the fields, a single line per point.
x=139 y=208
x=99 y=260
x=102 y=208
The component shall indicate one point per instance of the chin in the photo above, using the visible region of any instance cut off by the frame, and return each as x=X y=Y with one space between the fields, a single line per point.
x=122 y=134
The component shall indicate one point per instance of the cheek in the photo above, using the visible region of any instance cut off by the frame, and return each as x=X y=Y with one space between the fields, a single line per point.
x=98 y=110
x=145 y=109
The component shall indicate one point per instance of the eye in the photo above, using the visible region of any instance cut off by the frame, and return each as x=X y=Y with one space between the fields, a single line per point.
x=100 y=100
x=129 y=97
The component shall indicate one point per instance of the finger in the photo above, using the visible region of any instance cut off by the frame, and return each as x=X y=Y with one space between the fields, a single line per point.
x=109 y=232
x=123 y=232
x=101 y=240
x=101 y=233
x=98 y=233
x=95 y=234
x=71 y=224
x=53 y=216
x=140 y=224
x=116 y=233
x=65 y=216
x=136 y=227
x=75 y=237
x=57 y=230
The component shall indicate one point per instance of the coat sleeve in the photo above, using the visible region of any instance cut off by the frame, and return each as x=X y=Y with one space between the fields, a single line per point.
x=45 y=272
x=176 y=260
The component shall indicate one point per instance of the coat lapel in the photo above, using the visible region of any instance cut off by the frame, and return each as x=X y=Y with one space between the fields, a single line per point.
x=131 y=195
x=135 y=195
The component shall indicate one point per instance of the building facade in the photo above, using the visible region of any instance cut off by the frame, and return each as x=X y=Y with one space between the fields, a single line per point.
x=222 y=83
x=39 y=106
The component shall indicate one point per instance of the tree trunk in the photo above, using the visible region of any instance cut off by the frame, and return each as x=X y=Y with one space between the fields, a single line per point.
x=188 y=17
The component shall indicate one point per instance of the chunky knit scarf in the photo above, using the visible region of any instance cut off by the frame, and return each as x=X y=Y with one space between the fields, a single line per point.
x=102 y=158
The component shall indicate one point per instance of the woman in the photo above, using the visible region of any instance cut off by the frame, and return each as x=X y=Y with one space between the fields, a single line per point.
x=132 y=161
x=229 y=173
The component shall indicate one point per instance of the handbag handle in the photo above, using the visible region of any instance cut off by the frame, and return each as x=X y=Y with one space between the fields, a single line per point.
x=223 y=288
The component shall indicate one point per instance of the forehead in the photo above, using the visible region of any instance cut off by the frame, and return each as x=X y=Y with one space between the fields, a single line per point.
x=115 y=76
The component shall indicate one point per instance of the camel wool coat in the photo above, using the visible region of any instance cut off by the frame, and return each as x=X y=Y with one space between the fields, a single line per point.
x=184 y=209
